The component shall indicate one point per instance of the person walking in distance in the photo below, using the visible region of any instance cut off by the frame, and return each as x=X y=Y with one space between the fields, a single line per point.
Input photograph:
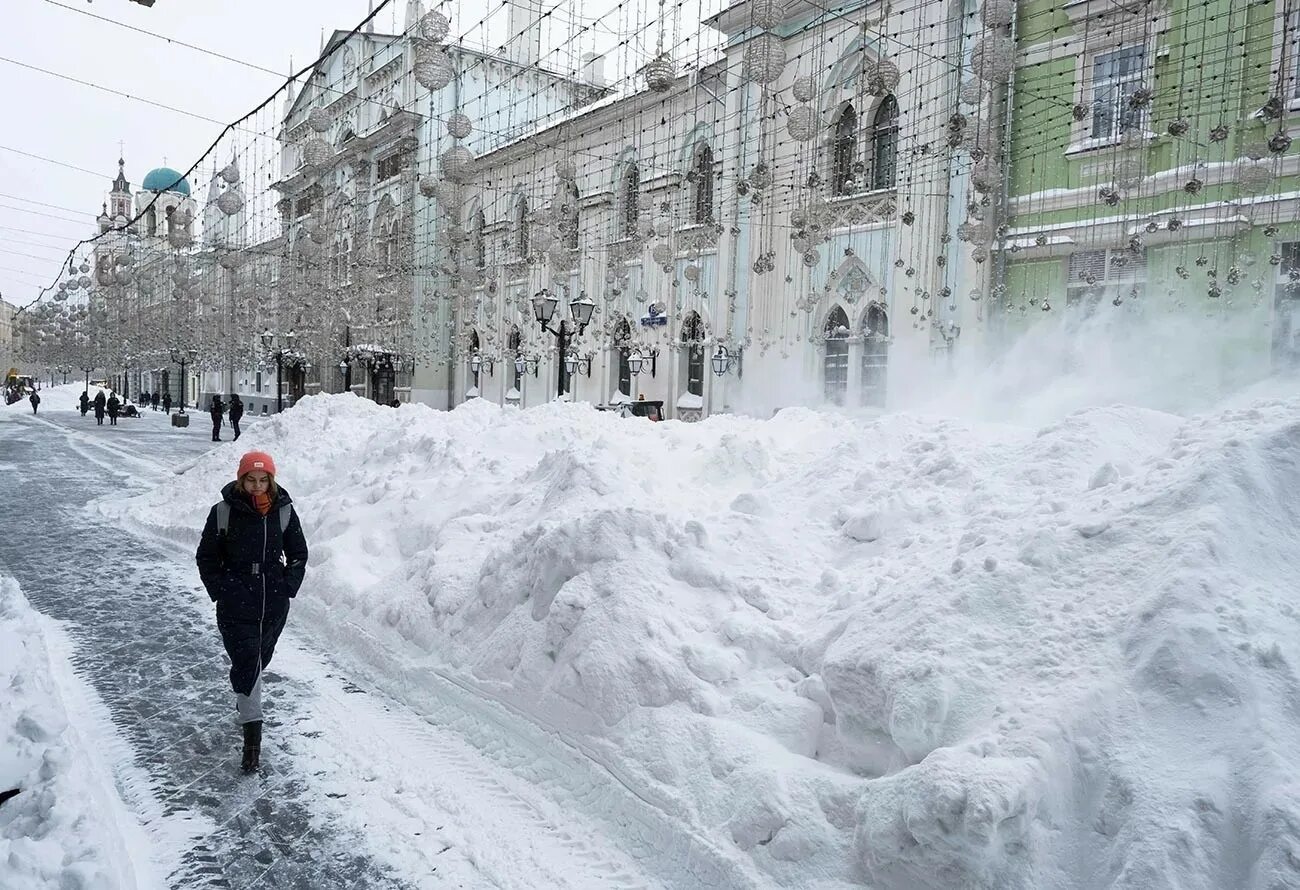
x=166 y=402
x=35 y=400
x=236 y=413
x=114 y=406
x=216 y=409
x=84 y=399
x=252 y=559
x=100 y=406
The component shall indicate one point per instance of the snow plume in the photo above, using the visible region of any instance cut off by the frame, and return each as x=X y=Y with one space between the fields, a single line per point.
x=67 y=826
x=1134 y=354
x=901 y=651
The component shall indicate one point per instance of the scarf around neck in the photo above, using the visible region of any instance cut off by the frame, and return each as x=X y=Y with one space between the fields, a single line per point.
x=262 y=503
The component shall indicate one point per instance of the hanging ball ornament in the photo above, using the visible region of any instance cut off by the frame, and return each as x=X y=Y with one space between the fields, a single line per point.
x=435 y=26
x=692 y=272
x=802 y=123
x=231 y=201
x=433 y=68
x=971 y=92
x=319 y=119
x=811 y=257
x=764 y=58
x=659 y=73
x=882 y=77
x=230 y=173
x=662 y=254
x=84 y=267
x=1179 y=127
x=429 y=186
x=765 y=14
x=1279 y=142
x=125 y=275
x=315 y=153
x=998 y=13
x=457 y=163
x=459 y=125
x=804 y=89
x=1219 y=133
x=993 y=58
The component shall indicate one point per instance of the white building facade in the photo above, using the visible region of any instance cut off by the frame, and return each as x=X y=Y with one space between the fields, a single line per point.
x=783 y=215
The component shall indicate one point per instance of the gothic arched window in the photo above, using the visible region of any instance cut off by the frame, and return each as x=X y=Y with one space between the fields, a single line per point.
x=693 y=340
x=569 y=214
x=884 y=144
x=478 y=240
x=629 y=200
x=522 y=235
x=514 y=346
x=844 y=152
x=875 y=355
x=623 y=346
x=835 y=366
x=702 y=211
x=473 y=350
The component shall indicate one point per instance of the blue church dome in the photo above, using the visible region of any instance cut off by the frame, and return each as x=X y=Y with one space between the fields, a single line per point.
x=165 y=179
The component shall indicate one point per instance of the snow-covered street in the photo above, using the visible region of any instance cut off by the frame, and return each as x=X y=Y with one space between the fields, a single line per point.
x=887 y=651
x=358 y=790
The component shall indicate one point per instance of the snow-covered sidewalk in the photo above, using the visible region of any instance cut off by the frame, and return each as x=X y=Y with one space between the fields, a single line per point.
x=67 y=826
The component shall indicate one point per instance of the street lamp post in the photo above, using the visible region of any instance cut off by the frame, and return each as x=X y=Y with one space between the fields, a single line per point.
x=268 y=342
x=182 y=357
x=544 y=305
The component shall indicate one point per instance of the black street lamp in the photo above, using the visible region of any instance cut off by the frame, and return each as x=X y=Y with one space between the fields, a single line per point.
x=268 y=342
x=181 y=357
x=544 y=305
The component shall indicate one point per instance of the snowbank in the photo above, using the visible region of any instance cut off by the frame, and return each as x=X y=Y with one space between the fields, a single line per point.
x=67 y=828
x=911 y=652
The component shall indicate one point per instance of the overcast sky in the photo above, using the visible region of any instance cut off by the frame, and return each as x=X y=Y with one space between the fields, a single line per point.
x=77 y=125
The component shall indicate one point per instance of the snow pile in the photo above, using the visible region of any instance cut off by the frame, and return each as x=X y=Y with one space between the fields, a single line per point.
x=67 y=827
x=915 y=652
x=64 y=397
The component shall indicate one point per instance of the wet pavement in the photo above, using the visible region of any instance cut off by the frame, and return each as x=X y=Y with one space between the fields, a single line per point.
x=146 y=644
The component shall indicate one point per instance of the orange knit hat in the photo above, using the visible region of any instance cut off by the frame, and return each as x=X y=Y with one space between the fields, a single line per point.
x=255 y=460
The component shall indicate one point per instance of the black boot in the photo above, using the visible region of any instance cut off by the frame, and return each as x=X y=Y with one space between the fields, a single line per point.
x=252 y=746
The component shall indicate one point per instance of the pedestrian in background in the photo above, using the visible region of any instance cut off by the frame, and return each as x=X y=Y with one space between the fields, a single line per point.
x=85 y=403
x=100 y=403
x=114 y=406
x=35 y=400
x=216 y=409
x=252 y=559
x=166 y=401
x=236 y=413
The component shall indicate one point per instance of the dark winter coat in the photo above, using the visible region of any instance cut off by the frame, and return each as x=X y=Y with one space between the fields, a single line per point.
x=236 y=408
x=114 y=406
x=85 y=402
x=216 y=409
x=99 y=405
x=34 y=399
x=254 y=568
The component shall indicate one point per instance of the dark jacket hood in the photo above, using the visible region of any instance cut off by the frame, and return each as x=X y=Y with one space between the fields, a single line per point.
x=239 y=501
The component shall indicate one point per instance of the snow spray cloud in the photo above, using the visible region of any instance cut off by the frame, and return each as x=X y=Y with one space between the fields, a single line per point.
x=1173 y=360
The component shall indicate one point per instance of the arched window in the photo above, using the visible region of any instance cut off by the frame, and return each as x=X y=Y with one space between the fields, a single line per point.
x=693 y=341
x=844 y=152
x=515 y=346
x=875 y=355
x=473 y=350
x=478 y=240
x=702 y=212
x=569 y=214
x=151 y=221
x=623 y=344
x=522 y=235
x=835 y=366
x=630 y=198
x=884 y=144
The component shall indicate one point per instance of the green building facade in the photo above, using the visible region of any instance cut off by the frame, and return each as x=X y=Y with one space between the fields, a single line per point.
x=1151 y=167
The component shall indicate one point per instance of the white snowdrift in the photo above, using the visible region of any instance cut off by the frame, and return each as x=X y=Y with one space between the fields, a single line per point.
x=67 y=828
x=905 y=652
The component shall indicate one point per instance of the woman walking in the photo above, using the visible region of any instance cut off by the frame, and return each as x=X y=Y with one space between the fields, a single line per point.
x=252 y=559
